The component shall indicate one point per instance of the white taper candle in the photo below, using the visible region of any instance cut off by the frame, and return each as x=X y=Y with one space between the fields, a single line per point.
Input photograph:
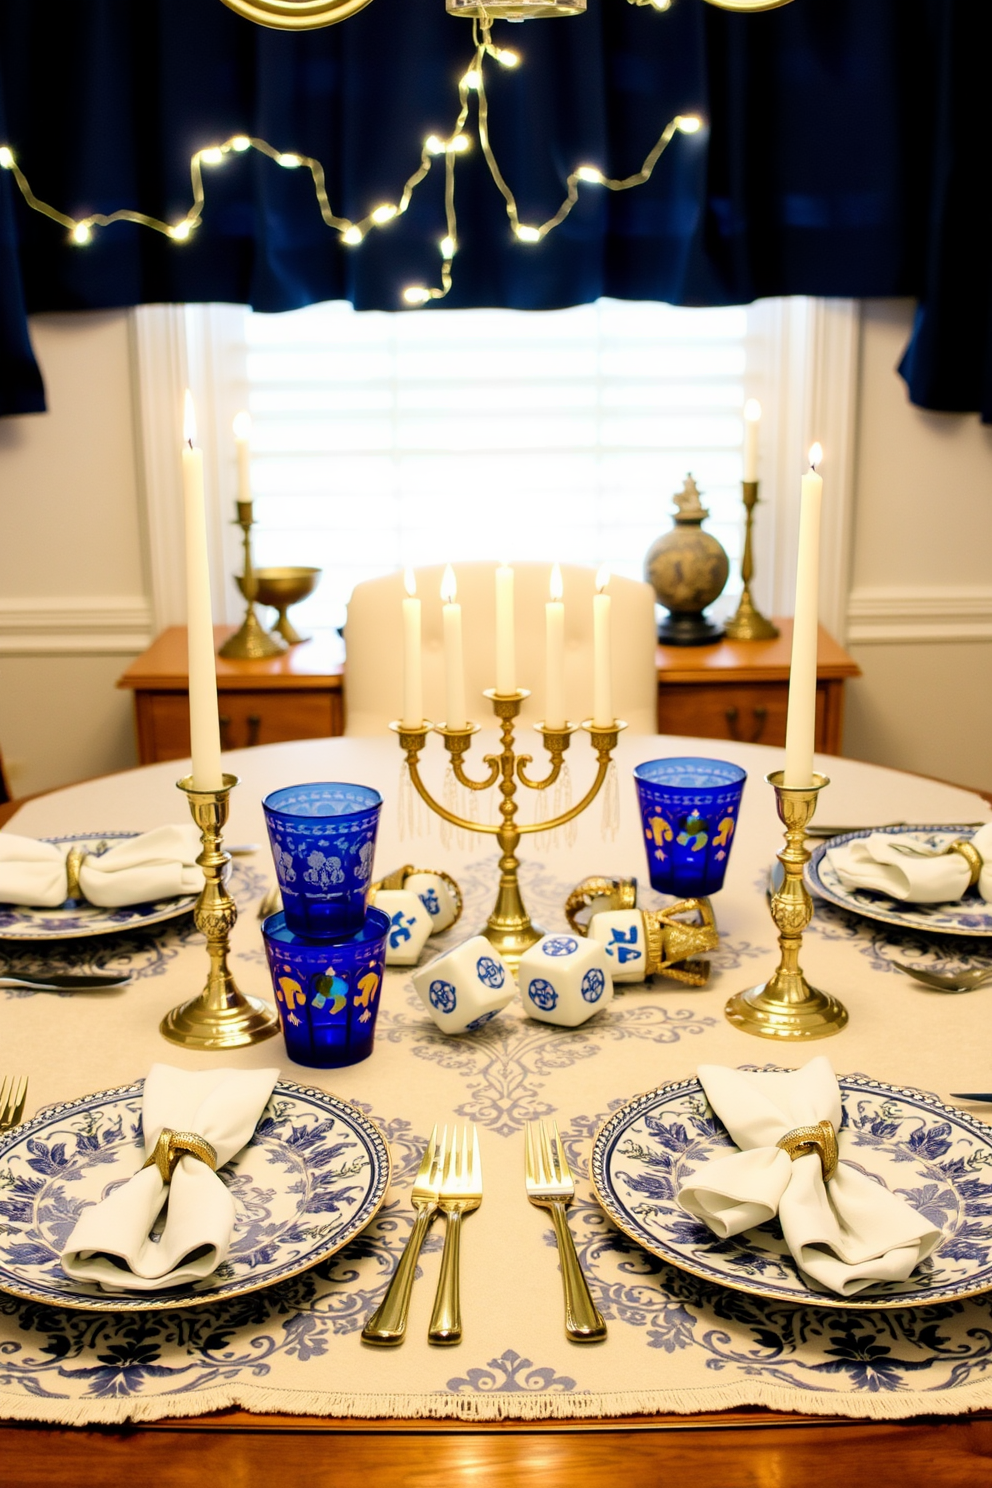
x=204 y=726
x=800 y=728
x=413 y=689
x=602 y=671
x=242 y=443
x=454 y=661
x=554 y=655
x=506 y=665
x=752 y=418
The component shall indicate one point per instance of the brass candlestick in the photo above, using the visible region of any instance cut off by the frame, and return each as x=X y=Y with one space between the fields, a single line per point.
x=252 y=642
x=786 y=1006
x=748 y=623
x=509 y=927
x=221 y=1017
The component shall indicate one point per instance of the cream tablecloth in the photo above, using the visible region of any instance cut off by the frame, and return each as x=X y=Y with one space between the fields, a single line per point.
x=675 y=1343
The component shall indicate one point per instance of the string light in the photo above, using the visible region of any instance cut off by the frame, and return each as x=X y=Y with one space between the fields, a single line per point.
x=471 y=88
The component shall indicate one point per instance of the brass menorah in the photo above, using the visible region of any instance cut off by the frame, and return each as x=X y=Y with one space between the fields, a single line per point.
x=509 y=927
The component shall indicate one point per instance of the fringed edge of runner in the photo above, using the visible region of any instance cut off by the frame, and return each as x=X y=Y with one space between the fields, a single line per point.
x=540 y=1406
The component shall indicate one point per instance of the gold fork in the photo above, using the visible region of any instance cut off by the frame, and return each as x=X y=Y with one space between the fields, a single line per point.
x=13 y=1094
x=550 y=1185
x=461 y=1192
x=387 y=1325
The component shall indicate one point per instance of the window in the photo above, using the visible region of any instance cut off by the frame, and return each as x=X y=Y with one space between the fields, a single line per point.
x=381 y=440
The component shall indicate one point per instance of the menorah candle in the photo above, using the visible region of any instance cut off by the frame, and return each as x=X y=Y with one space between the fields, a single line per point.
x=505 y=640
x=602 y=673
x=413 y=689
x=204 y=724
x=242 y=443
x=800 y=724
x=554 y=655
x=752 y=417
x=454 y=662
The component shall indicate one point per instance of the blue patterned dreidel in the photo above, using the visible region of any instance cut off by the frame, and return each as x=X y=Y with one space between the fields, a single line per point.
x=327 y=995
x=465 y=988
x=623 y=935
x=564 y=979
x=323 y=842
x=410 y=925
x=439 y=894
x=689 y=810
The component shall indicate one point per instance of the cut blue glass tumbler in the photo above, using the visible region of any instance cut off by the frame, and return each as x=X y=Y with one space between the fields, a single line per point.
x=323 y=842
x=689 y=812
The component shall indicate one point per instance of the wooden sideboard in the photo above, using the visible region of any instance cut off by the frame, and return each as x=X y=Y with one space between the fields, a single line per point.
x=732 y=690
x=740 y=690
x=294 y=696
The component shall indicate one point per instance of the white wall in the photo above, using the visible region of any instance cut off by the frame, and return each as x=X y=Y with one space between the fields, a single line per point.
x=73 y=607
x=920 y=608
x=74 y=586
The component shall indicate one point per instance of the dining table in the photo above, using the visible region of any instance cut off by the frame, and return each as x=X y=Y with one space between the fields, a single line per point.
x=276 y=1386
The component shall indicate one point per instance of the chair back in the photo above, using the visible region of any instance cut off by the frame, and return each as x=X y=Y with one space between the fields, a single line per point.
x=374 y=639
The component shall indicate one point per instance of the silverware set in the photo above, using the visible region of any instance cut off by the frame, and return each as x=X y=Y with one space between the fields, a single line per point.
x=65 y=981
x=13 y=1094
x=449 y=1182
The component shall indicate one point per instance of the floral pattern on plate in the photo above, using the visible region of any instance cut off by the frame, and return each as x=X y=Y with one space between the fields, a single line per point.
x=74 y=920
x=968 y=916
x=936 y=1158
x=312 y=1177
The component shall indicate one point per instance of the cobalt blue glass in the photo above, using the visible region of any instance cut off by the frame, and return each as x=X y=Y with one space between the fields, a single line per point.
x=323 y=843
x=328 y=993
x=689 y=812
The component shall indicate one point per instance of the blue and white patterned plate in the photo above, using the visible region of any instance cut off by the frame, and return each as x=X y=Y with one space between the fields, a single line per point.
x=968 y=916
x=936 y=1158
x=310 y=1179
x=75 y=920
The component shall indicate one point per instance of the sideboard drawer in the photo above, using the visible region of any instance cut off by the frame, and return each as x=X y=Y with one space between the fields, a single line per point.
x=247 y=718
x=750 y=713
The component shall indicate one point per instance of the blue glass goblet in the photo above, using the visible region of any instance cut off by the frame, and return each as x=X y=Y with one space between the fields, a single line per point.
x=323 y=842
x=689 y=811
x=327 y=994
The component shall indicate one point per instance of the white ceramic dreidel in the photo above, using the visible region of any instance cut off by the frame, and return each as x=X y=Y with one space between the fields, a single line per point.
x=439 y=894
x=409 y=925
x=564 y=979
x=623 y=935
x=466 y=987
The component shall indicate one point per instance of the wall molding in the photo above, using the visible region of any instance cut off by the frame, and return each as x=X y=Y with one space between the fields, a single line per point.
x=92 y=625
x=891 y=616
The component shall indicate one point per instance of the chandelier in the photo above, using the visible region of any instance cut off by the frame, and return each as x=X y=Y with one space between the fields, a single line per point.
x=308 y=15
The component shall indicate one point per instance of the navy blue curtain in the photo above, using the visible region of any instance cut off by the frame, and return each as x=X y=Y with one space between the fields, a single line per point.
x=847 y=153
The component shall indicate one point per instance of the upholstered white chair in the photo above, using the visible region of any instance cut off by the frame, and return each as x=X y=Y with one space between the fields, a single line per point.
x=374 y=639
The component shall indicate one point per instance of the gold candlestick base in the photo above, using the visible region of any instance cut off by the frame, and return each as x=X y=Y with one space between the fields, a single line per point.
x=252 y=642
x=786 y=1006
x=221 y=1017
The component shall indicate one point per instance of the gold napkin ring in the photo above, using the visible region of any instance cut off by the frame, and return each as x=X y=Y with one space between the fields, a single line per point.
x=172 y=1145
x=621 y=892
x=73 y=862
x=821 y=1138
x=972 y=857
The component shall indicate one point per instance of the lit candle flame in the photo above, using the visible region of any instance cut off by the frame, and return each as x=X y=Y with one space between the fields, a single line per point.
x=410 y=582
x=752 y=410
x=449 y=589
x=815 y=455
x=189 y=420
x=242 y=425
x=557 y=588
x=602 y=578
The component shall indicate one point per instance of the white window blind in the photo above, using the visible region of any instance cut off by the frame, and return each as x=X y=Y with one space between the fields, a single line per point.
x=383 y=439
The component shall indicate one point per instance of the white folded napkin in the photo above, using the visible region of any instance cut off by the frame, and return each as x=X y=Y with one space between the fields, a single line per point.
x=845 y=1235
x=903 y=869
x=113 y=1244
x=157 y=865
